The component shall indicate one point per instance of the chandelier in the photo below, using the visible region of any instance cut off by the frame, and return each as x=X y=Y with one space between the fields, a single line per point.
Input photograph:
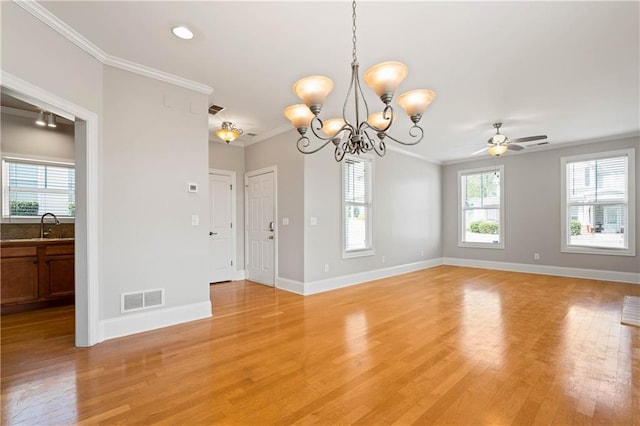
x=228 y=132
x=356 y=137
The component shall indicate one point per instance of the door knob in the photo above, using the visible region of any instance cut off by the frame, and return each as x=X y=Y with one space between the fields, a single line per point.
x=271 y=237
x=270 y=226
x=213 y=233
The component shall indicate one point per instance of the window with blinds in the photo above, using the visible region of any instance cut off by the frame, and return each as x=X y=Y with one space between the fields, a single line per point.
x=32 y=188
x=596 y=200
x=481 y=207
x=357 y=206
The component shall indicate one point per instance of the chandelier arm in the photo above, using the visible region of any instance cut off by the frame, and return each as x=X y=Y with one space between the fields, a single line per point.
x=304 y=142
x=379 y=148
x=415 y=132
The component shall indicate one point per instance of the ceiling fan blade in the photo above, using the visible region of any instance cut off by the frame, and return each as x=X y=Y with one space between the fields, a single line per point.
x=514 y=147
x=529 y=139
x=479 y=151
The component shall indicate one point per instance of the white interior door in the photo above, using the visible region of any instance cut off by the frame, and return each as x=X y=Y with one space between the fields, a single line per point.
x=220 y=228
x=260 y=228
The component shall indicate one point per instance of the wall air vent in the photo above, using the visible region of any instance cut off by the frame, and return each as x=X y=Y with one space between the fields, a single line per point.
x=214 y=109
x=141 y=300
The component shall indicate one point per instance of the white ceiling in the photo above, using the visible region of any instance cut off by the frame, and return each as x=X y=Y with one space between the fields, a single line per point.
x=569 y=70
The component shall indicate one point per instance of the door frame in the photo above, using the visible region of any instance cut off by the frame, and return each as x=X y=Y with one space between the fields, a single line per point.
x=270 y=169
x=234 y=187
x=87 y=294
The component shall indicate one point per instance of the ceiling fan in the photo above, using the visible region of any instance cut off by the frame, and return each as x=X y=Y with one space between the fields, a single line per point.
x=498 y=144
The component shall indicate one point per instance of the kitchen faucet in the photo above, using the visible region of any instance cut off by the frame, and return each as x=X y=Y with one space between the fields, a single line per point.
x=42 y=223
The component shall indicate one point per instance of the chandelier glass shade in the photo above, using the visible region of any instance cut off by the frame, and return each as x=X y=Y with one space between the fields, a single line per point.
x=228 y=132
x=497 y=150
x=350 y=134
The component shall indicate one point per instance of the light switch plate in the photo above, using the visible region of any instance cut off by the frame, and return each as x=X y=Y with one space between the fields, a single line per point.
x=195 y=220
x=285 y=220
x=314 y=221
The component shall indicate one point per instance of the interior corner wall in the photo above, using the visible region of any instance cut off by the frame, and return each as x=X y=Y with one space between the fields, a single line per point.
x=406 y=215
x=231 y=158
x=280 y=151
x=531 y=183
x=155 y=142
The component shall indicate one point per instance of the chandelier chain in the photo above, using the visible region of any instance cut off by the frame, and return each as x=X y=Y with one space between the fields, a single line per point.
x=355 y=59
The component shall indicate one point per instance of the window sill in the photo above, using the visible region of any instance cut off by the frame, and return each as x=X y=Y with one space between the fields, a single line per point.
x=495 y=246
x=358 y=253
x=599 y=250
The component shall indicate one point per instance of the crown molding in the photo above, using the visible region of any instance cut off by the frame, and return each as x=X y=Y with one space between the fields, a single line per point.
x=55 y=23
x=398 y=150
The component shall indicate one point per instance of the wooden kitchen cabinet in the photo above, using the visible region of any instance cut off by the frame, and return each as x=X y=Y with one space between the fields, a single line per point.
x=36 y=273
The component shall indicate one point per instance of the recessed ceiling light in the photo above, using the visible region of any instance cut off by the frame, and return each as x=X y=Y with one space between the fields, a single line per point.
x=182 y=32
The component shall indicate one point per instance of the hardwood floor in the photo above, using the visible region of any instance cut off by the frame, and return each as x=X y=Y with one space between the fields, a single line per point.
x=447 y=345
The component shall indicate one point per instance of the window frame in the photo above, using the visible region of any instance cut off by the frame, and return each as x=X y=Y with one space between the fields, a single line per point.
x=461 y=225
x=5 y=185
x=370 y=250
x=630 y=204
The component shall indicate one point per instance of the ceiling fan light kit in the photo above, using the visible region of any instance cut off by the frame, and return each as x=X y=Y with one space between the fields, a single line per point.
x=355 y=136
x=499 y=143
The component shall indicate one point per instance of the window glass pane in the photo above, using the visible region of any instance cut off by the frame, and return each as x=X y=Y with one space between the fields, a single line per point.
x=355 y=181
x=481 y=189
x=596 y=202
x=355 y=228
x=482 y=226
x=598 y=225
x=35 y=188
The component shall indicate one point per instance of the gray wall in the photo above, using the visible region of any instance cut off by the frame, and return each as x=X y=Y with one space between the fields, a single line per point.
x=532 y=211
x=406 y=215
x=21 y=136
x=231 y=158
x=280 y=151
x=150 y=153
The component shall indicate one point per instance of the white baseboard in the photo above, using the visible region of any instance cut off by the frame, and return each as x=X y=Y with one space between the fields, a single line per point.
x=151 y=320
x=239 y=275
x=292 y=286
x=313 y=287
x=563 y=271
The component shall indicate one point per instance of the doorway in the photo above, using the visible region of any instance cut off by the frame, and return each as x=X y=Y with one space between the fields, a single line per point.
x=86 y=222
x=261 y=250
x=222 y=241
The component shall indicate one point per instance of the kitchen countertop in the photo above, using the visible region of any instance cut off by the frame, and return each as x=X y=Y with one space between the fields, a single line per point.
x=36 y=241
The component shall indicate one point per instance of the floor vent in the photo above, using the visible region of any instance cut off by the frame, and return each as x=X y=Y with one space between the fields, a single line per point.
x=141 y=300
x=214 y=109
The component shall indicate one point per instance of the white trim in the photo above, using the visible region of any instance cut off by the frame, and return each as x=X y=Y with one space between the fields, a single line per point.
x=291 y=286
x=234 y=187
x=271 y=169
x=32 y=94
x=501 y=227
x=151 y=320
x=630 y=231
x=562 y=271
x=239 y=275
x=55 y=23
x=321 y=286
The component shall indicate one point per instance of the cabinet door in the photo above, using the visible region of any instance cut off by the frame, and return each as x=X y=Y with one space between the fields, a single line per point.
x=61 y=275
x=19 y=279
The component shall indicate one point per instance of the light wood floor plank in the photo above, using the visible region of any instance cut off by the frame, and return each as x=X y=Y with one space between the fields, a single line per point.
x=447 y=345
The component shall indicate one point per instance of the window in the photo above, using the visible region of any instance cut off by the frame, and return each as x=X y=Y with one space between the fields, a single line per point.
x=481 y=208
x=357 y=206
x=598 y=203
x=32 y=188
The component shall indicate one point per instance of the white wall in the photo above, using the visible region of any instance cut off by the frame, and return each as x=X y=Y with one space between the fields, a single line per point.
x=231 y=158
x=532 y=211
x=280 y=151
x=154 y=144
x=406 y=215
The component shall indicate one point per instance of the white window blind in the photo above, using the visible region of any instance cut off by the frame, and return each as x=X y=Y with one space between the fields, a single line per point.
x=32 y=188
x=357 y=205
x=597 y=199
x=481 y=207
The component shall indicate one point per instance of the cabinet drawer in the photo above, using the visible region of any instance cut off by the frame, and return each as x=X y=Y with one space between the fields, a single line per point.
x=59 y=249
x=19 y=251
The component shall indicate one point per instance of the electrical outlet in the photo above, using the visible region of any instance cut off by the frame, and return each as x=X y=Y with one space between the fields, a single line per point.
x=422 y=253
x=536 y=256
x=384 y=259
x=326 y=267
